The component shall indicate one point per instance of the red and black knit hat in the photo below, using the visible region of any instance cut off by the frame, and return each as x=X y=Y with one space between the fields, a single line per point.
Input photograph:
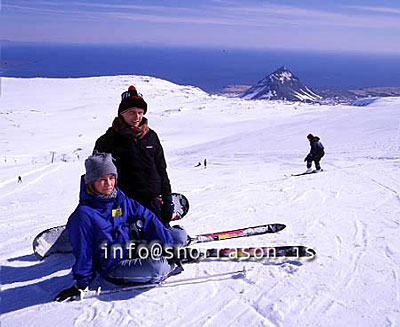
x=131 y=99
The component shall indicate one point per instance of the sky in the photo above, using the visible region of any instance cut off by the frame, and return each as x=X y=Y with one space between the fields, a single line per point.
x=324 y=25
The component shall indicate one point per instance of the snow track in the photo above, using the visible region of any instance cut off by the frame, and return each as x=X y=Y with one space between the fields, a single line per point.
x=29 y=181
x=349 y=213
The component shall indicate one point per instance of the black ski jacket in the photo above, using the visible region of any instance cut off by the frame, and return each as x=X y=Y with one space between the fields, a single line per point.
x=140 y=163
x=317 y=149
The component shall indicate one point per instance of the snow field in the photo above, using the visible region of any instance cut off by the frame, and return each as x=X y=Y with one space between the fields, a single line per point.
x=349 y=213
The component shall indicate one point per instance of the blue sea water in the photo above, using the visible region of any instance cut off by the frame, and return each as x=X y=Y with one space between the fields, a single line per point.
x=209 y=69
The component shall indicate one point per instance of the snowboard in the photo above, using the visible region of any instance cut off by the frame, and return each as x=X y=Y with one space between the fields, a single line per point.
x=56 y=239
x=181 y=206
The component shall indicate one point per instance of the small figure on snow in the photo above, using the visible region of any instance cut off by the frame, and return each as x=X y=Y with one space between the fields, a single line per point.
x=198 y=164
x=316 y=153
x=105 y=220
x=139 y=156
x=19 y=179
x=205 y=163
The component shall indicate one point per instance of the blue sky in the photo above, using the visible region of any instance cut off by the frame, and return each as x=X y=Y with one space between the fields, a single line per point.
x=338 y=25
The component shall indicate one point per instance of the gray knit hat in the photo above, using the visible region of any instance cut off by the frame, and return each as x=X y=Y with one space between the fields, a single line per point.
x=97 y=165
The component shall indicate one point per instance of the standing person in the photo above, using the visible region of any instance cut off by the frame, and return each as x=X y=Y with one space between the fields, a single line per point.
x=105 y=220
x=139 y=156
x=316 y=153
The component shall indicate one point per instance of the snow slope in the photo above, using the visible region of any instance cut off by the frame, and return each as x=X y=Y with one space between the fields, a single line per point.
x=349 y=214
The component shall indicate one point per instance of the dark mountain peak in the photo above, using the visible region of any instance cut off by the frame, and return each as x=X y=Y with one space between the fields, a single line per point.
x=281 y=75
x=281 y=85
x=281 y=70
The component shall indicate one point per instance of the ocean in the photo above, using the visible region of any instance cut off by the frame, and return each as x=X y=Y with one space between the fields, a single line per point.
x=209 y=69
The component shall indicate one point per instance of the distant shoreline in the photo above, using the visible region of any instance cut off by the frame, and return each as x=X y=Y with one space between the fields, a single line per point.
x=367 y=91
x=329 y=96
x=209 y=69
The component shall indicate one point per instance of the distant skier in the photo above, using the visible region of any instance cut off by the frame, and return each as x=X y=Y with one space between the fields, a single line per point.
x=316 y=153
x=205 y=163
x=19 y=179
x=106 y=219
x=198 y=164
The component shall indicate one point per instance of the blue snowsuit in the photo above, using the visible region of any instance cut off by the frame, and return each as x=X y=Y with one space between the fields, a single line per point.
x=99 y=225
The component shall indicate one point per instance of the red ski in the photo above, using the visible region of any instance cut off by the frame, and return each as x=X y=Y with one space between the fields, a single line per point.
x=243 y=232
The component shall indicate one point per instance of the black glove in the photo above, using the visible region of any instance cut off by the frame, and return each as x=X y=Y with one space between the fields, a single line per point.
x=167 y=209
x=307 y=158
x=71 y=294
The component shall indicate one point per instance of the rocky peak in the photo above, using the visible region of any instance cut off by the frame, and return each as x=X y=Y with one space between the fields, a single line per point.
x=281 y=85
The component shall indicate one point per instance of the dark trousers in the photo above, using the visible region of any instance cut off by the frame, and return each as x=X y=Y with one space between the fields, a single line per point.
x=155 y=206
x=316 y=159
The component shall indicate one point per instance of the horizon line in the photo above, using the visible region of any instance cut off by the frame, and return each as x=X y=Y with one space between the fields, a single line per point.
x=203 y=46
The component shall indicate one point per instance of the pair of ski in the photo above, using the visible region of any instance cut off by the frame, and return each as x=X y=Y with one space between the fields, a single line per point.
x=308 y=172
x=57 y=242
x=242 y=253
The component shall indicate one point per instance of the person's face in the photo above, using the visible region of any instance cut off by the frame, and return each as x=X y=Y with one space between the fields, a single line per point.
x=133 y=116
x=105 y=185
